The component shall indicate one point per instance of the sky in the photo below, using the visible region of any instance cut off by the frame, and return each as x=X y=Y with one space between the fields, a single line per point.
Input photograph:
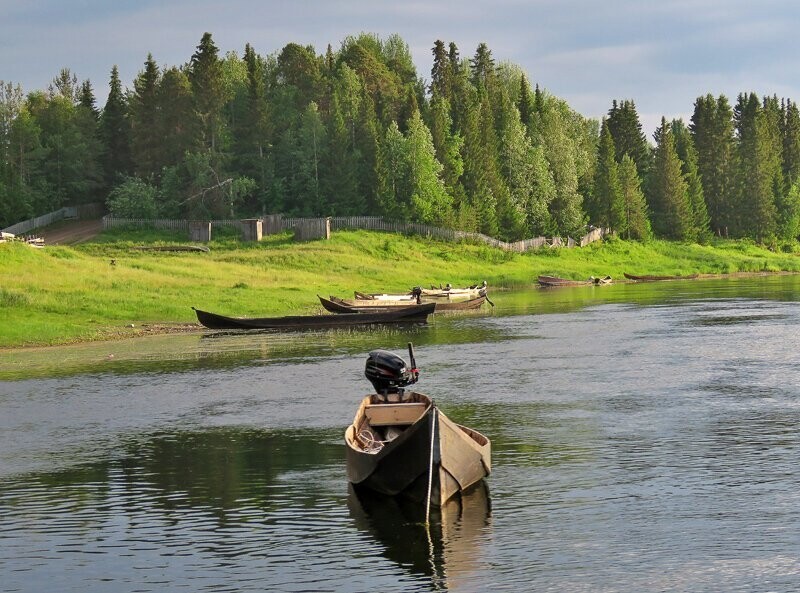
x=660 y=54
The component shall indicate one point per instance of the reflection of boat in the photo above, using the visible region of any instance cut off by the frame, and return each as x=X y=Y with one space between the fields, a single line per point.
x=410 y=314
x=655 y=278
x=556 y=281
x=448 y=549
x=337 y=305
x=400 y=443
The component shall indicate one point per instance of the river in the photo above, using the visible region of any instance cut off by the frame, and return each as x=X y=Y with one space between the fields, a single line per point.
x=645 y=439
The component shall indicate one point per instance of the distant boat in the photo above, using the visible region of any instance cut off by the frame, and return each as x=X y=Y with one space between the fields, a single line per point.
x=337 y=305
x=603 y=280
x=655 y=278
x=410 y=314
x=556 y=281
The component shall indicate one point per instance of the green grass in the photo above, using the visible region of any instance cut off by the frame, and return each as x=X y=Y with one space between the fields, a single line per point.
x=59 y=295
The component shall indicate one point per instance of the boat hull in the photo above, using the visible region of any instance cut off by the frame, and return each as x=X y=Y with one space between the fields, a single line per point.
x=411 y=314
x=337 y=305
x=433 y=448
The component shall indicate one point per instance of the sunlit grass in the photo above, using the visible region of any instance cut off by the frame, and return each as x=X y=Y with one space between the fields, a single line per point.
x=63 y=294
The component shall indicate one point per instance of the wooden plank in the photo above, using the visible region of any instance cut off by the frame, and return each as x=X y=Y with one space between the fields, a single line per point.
x=394 y=414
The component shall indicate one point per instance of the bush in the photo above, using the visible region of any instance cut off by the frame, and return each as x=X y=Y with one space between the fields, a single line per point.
x=133 y=198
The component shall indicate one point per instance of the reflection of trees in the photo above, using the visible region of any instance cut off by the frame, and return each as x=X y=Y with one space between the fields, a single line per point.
x=219 y=469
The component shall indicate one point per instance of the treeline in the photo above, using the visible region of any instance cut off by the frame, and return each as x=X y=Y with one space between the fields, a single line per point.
x=358 y=132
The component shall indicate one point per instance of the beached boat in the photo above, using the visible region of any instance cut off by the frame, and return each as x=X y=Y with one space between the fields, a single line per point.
x=603 y=280
x=337 y=305
x=401 y=444
x=410 y=314
x=656 y=278
x=556 y=281
x=450 y=292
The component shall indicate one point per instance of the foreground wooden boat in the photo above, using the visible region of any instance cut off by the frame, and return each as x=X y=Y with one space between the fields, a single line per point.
x=337 y=305
x=401 y=444
x=556 y=281
x=656 y=278
x=411 y=314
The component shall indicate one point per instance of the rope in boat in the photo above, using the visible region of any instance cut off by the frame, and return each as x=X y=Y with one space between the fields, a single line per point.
x=430 y=467
x=370 y=443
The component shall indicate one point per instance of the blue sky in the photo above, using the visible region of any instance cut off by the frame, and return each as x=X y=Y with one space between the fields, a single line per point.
x=661 y=54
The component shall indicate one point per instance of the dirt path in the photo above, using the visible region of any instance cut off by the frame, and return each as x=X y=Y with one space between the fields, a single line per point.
x=72 y=232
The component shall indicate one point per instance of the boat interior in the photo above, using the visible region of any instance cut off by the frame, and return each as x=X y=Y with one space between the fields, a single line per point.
x=380 y=419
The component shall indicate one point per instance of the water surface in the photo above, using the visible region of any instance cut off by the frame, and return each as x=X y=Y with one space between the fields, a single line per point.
x=644 y=439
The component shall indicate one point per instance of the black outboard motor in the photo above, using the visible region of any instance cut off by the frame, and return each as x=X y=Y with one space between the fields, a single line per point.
x=389 y=373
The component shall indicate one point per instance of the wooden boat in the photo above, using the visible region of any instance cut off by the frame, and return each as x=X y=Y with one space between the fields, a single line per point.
x=656 y=278
x=409 y=297
x=450 y=292
x=556 y=281
x=337 y=305
x=411 y=314
x=401 y=444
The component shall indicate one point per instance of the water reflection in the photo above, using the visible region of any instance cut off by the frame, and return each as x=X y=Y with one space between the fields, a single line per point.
x=449 y=550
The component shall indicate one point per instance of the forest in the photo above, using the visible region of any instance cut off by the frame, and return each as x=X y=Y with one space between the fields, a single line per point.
x=475 y=146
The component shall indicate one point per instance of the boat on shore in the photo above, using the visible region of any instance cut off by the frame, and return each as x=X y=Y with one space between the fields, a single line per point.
x=603 y=280
x=339 y=306
x=410 y=314
x=401 y=444
x=658 y=278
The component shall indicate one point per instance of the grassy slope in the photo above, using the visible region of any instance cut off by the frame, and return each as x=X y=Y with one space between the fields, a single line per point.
x=64 y=294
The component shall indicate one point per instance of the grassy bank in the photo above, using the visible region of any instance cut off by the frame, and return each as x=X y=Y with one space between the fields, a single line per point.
x=66 y=294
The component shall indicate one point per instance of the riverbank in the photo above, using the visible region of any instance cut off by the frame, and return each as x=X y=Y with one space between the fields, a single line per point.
x=107 y=289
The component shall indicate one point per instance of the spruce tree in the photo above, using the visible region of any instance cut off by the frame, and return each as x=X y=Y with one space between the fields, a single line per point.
x=604 y=209
x=684 y=147
x=115 y=132
x=791 y=144
x=205 y=75
x=146 y=142
x=636 y=224
x=712 y=132
x=669 y=202
x=626 y=130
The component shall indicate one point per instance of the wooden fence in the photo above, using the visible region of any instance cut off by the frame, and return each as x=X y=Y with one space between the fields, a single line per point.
x=112 y=222
x=82 y=211
x=376 y=223
x=370 y=223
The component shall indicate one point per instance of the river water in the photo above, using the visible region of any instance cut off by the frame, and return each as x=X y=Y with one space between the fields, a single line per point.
x=645 y=438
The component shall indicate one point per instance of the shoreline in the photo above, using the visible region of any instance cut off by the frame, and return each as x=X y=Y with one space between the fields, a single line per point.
x=143 y=329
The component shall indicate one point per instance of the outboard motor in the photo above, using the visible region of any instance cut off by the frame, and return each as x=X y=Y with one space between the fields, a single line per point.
x=389 y=373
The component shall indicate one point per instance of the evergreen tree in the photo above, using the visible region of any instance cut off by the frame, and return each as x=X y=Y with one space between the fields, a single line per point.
x=146 y=142
x=759 y=167
x=712 y=131
x=669 y=202
x=626 y=130
x=605 y=209
x=87 y=100
x=115 y=131
x=636 y=224
x=176 y=119
x=791 y=144
x=206 y=78
x=684 y=147
x=441 y=72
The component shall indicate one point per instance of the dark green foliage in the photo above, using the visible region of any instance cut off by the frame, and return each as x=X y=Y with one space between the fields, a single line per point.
x=712 y=131
x=669 y=200
x=358 y=132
